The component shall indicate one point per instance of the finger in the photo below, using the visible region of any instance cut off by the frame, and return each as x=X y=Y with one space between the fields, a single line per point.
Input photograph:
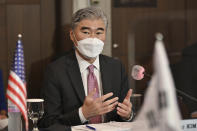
x=123 y=106
x=122 y=112
x=108 y=102
x=91 y=94
x=4 y=117
x=109 y=108
x=104 y=97
x=114 y=104
x=126 y=102
x=129 y=93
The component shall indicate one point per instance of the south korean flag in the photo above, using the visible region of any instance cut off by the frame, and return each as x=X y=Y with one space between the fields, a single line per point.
x=160 y=109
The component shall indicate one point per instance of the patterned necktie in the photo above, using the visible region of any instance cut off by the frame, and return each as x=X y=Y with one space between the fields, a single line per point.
x=92 y=83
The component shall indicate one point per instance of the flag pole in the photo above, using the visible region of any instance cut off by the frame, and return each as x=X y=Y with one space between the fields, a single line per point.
x=16 y=91
x=159 y=36
x=19 y=36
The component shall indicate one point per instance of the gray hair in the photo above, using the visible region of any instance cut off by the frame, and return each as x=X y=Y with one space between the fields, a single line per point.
x=88 y=13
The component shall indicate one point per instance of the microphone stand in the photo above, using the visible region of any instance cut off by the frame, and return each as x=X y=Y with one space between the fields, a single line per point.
x=184 y=94
x=179 y=91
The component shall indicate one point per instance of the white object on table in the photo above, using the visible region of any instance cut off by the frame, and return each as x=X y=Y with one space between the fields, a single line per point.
x=189 y=125
x=110 y=126
x=3 y=123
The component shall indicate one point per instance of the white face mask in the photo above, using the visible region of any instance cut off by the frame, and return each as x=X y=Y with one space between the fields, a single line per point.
x=90 y=47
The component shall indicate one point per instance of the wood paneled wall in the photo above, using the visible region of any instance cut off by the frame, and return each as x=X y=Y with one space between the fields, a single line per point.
x=3 y=44
x=35 y=20
x=175 y=19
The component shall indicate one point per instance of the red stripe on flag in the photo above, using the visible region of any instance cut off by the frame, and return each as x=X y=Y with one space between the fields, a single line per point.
x=23 y=113
x=20 y=95
x=15 y=82
x=17 y=95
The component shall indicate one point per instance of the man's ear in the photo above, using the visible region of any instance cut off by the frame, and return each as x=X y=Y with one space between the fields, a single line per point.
x=72 y=37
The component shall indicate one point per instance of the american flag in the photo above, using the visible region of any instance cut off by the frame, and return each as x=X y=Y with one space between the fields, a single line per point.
x=16 y=91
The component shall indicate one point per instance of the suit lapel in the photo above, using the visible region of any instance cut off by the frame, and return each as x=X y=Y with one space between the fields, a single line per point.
x=76 y=79
x=75 y=76
x=105 y=75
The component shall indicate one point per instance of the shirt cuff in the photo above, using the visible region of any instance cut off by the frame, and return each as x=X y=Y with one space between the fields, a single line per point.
x=81 y=116
x=130 y=118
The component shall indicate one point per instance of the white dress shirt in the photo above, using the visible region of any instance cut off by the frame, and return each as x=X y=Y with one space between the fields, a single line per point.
x=83 y=66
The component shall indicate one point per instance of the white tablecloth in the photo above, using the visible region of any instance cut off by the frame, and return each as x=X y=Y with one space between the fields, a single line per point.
x=111 y=126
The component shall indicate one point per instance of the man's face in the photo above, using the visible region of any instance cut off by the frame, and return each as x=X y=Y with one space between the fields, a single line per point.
x=89 y=28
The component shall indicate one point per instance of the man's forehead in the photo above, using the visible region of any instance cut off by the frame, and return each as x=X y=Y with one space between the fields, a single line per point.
x=94 y=24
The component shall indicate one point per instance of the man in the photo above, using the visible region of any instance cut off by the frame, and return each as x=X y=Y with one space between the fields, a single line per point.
x=84 y=86
x=185 y=77
x=3 y=108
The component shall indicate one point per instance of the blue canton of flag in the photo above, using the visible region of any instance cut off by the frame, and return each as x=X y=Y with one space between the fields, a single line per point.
x=18 y=65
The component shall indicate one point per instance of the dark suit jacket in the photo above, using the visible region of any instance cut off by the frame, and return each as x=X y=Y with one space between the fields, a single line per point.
x=185 y=76
x=64 y=92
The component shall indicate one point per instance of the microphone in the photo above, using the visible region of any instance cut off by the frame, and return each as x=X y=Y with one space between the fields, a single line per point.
x=138 y=73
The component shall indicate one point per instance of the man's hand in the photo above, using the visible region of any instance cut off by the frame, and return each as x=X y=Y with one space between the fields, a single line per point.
x=124 y=109
x=3 y=114
x=93 y=107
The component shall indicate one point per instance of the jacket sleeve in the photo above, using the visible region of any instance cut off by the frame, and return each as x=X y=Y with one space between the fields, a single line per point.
x=125 y=86
x=122 y=86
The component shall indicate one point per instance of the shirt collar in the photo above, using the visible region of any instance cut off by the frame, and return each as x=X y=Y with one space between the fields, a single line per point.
x=83 y=64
